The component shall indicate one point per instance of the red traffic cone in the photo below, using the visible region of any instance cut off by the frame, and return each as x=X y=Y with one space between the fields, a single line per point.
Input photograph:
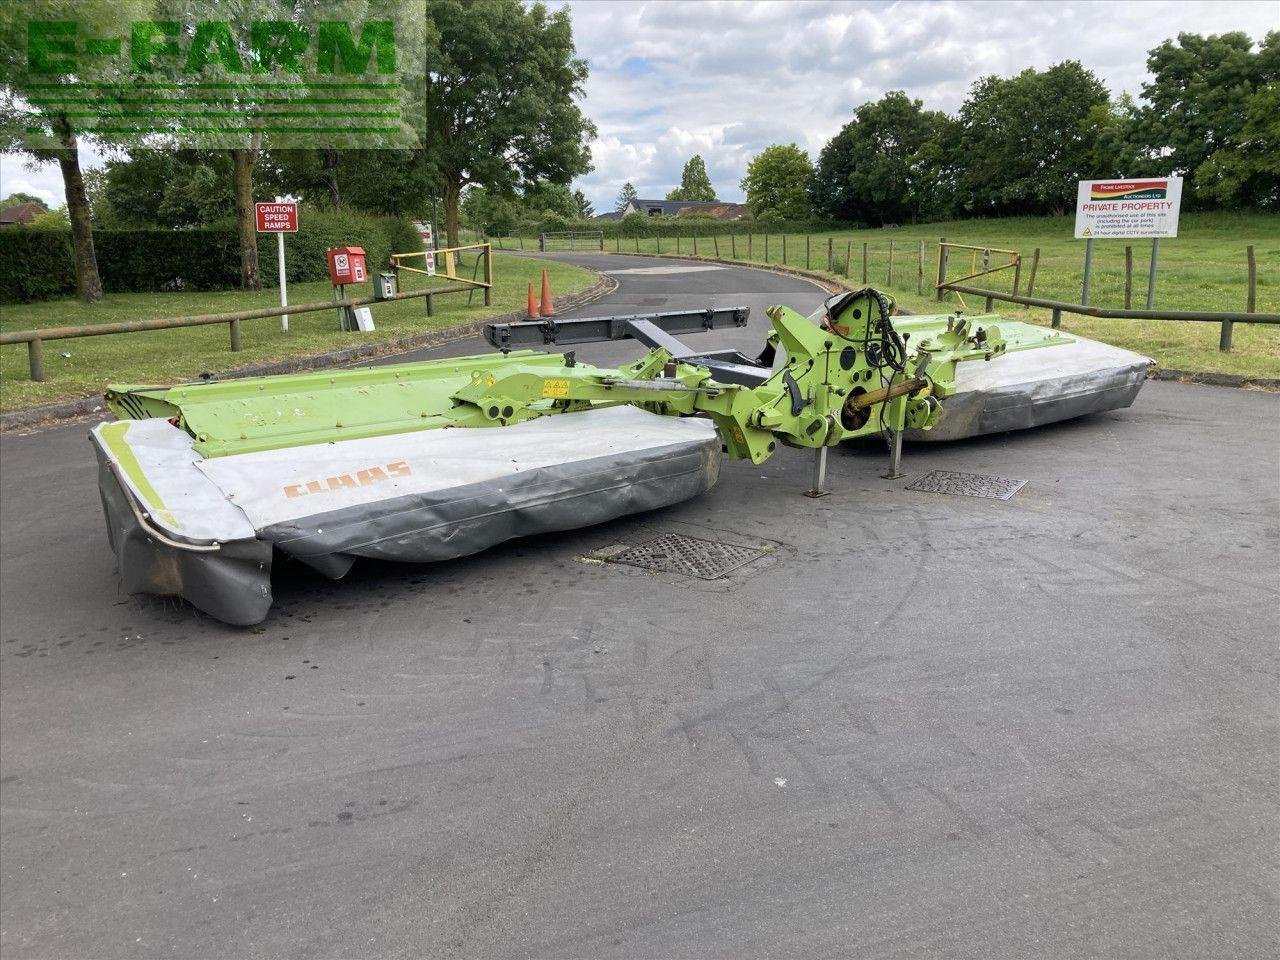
x=533 y=305
x=548 y=308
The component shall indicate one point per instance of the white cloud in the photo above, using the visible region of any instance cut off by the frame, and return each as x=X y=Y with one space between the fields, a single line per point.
x=728 y=78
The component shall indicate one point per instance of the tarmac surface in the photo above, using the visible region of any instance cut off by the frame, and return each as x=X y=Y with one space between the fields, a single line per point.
x=920 y=726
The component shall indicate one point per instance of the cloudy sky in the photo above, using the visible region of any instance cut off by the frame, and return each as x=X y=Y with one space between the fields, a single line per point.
x=671 y=78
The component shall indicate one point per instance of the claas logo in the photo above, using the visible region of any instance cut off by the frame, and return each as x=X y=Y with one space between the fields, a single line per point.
x=348 y=481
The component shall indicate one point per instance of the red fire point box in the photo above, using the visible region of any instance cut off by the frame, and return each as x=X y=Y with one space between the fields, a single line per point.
x=346 y=265
x=277 y=217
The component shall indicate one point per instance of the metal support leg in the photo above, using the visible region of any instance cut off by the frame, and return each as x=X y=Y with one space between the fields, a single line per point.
x=898 y=419
x=819 y=475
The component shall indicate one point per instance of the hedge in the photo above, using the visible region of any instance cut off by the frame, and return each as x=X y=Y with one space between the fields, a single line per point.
x=135 y=261
x=38 y=264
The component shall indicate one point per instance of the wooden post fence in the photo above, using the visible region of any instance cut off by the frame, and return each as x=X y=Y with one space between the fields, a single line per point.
x=920 y=270
x=864 y=264
x=1035 y=265
x=806 y=251
x=830 y=255
x=891 y=262
x=848 y=258
x=1128 y=278
x=1251 y=302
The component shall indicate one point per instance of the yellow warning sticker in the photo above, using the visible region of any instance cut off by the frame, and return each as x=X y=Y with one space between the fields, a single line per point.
x=555 y=388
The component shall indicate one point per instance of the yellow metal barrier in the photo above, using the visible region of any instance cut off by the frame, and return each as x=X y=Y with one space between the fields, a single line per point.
x=944 y=252
x=448 y=267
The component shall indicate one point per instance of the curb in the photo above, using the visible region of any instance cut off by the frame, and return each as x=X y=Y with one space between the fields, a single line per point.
x=1213 y=379
x=87 y=406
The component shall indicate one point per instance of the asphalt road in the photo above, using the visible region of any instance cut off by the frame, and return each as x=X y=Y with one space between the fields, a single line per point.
x=923 y=726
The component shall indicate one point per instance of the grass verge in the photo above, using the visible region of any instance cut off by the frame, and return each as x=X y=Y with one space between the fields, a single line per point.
x=167 y=356
x=1204 y=268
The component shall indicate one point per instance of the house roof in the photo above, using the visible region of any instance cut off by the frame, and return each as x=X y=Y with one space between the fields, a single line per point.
x=670 y=208
x=22 y=213
x=720 y=209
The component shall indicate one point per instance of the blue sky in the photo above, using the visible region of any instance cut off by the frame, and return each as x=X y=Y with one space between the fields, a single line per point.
x=726 y=78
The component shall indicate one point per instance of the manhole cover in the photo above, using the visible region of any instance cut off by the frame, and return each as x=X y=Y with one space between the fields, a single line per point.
x=967 y=485
x=675 y=553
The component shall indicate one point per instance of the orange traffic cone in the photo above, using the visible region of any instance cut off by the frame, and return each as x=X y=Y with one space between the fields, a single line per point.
x=533 y=305
x=548 y=308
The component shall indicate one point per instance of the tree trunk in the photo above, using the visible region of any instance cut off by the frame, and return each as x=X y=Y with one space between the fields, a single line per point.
x=331 y=176
x=452 y=193
x=246 y=223
x=88 y=282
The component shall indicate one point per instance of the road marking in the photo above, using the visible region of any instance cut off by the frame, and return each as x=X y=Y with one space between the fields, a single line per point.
x=653 y=271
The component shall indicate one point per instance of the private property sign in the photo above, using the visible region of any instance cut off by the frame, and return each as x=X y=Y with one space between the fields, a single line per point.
x=277 y=217
x=1146 y=207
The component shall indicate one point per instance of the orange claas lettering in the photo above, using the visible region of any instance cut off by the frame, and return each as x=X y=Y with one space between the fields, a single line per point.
x=345 y=481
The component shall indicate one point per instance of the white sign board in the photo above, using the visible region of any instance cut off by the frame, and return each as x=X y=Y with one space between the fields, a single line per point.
x=424 y=228
x=431 y=263
x=1139 y=207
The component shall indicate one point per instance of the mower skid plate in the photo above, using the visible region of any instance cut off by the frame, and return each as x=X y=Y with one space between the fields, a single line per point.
x=205 y=529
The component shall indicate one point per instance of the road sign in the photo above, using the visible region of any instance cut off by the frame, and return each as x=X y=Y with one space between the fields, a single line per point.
x=1137 y=207
x=424 y=228
x=431 y=263
x=277 y=217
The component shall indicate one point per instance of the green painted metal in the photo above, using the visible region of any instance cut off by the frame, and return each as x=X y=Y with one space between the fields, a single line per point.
x=901 y=366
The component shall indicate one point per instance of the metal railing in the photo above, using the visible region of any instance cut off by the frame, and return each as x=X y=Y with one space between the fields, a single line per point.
x=576 y=239
x=1227 y=319
x=449 y=258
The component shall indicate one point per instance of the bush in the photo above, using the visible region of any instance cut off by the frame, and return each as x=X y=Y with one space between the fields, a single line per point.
x=131 y=261
x=135 y=261
x=634 y=225
x=39 y=264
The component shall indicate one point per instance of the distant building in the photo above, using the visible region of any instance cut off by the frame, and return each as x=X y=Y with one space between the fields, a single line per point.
x=22 y=214
x=718 y=209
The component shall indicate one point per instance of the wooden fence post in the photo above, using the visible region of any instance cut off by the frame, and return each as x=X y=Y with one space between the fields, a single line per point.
x=806 y=251
x=677 y=244
x=848 y=258
x=235 y=335
x=864 y=264
x=750 y=237
x=658 y=238
x=733 y=246
x=920 y=270
x=891 y=261
x=35 y=357
x=766 y=248
x=1128 y=278
x=695 y=244
x=715 y=244
x=830 y=255
x=1017 y=274
x=942 y=265
x=1035 y=265
x=784 y=249
x=1251 y=302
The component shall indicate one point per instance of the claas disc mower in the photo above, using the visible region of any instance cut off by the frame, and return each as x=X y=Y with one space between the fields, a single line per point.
x=201 y=483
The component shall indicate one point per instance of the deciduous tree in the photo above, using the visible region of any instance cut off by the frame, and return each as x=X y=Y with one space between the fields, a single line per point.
x=694 y=182
x=777 y=183
x=502 y=87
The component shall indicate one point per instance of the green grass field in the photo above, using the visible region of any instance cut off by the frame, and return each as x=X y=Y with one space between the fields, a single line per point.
x=1204 y=268
x=167 y=356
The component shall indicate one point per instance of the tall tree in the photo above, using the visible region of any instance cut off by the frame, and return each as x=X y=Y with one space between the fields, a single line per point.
x=502 y=86
x=18 y=197
x=777 y=183
x=694 y=182
x=1196 y=102
x=585 y=210
x=39 y=40
x=884 y=165
x=626 y=196
x=1248 y=172
x=1026 y=140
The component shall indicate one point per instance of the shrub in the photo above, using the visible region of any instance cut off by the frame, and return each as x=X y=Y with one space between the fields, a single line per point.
x=39 y=264
x=135 y=261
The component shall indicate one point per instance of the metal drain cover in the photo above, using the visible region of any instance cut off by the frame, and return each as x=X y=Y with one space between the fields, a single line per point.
x=691 y=556
x=967 y=485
